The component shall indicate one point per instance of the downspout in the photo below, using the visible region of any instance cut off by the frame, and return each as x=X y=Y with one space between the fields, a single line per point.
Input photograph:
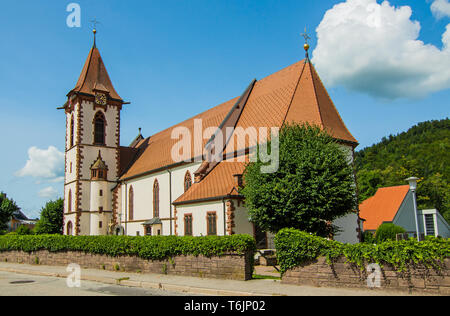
x=224 y=218
x=126 y=209
x=170 y=200
x=360 y=232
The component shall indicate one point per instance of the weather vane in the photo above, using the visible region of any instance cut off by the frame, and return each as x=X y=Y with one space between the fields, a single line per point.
x=306 y=46
x=94 y=23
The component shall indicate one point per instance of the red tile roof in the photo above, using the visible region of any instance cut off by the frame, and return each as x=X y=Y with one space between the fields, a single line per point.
x=220 y=182
x=383 y=206
x=294 y=94
x=95 y=77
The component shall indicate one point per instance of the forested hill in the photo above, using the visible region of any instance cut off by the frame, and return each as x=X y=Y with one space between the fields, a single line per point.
x=423 y=151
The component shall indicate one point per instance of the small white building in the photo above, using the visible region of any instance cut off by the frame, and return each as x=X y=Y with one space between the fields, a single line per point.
x=146 y=189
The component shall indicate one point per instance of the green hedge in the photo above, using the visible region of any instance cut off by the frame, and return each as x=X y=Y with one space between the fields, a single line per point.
x=295 y=247
x=152 y=248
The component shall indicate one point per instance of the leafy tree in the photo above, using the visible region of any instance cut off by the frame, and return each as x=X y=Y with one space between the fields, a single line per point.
x=51 y=220
x=7 y=208
x=313 y=185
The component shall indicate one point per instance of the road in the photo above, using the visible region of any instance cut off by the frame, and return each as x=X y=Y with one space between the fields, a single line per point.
x=13 y=284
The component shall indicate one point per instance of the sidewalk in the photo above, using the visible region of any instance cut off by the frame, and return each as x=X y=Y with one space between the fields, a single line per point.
x=190 y=285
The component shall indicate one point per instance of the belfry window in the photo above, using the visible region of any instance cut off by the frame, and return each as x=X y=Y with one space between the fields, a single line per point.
x=99 y=129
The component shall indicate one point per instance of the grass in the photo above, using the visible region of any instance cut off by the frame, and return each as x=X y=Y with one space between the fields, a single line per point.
x=265 y=277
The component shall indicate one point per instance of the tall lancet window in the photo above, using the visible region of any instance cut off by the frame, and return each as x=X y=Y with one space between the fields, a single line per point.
x=131 y=204
x=187 y=181
x=69 y=229
x=69 y=202
x=156 y=199
x=71 y=132
x=99 y=129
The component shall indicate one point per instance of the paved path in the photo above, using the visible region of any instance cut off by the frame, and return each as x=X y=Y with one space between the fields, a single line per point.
x=167 y=284
x=15 y=284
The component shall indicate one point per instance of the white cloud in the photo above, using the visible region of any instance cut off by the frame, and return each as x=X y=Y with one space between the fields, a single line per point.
x=440 y=8
x=44 y=164
x=374 y=48
x=48 y=192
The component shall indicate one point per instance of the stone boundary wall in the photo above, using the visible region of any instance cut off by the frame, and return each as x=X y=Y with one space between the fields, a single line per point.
x=230 y=266
x=417 y=279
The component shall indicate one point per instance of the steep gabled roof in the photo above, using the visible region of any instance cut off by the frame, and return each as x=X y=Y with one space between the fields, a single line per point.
x=294 y=94
x=94 y=77
x=219 y=183
x=311 y=103
x=383 y=206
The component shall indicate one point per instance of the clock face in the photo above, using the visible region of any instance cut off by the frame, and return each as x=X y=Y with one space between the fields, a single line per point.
x=100 y=98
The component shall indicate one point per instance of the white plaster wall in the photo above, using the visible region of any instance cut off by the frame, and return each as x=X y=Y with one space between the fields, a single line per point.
x=85 y=224
x=143 y=198
x=199 y=214
x=98 y=201
x=348 y=224
x=241 y=219
x=95 y=219
x=178 y=175
x=75 y=125
x=71 y=157
x=85 y=196
x=69 y=187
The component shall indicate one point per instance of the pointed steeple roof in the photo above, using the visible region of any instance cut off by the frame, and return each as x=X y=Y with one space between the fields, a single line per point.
x=99 y=164
x=312 y=104
x=94 y=76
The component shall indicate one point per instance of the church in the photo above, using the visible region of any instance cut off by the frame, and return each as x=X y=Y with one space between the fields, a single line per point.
x=141 y=190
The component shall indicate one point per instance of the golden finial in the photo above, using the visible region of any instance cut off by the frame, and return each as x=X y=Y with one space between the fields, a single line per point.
x=306 y=46
x=94 y=23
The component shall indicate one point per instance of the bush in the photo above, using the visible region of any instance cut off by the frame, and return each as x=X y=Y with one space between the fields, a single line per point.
x=151 y=248
x=387 y=232
x=368 y=237
x=295 y=247
x=24 y=230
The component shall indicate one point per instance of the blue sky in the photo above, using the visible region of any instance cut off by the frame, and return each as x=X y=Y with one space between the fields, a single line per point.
x=173 y=59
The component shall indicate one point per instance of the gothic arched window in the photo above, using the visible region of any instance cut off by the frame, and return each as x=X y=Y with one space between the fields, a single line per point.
x=69 y=202
x=156 y=199
x=187 y=181
x=99 y=129
x=131 y=204
x=71 y=132
x=69 y=229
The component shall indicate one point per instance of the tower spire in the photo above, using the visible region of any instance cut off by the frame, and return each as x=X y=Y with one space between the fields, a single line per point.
x=94 y=30
x=306 y=46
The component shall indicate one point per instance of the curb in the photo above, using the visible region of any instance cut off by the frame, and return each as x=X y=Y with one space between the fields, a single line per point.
x=141 y=284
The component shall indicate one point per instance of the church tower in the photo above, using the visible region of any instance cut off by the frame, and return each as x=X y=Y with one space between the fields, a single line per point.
x=92 y=155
